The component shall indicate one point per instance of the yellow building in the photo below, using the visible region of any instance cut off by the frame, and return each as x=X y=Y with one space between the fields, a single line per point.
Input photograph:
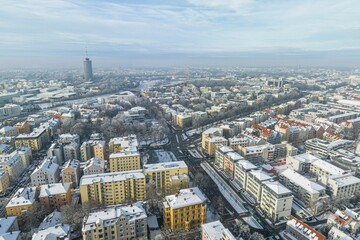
x=183 y=120
x=121 y=143
x=184 y=210
x=211 y=132
x=113 y=188
x=211 y=143
x=4 y=181
x=168 y=177
x=93 y=148
x=124 y=161
x=35 y=140
x=13 y=164
x=21 y=202
x=71 y=172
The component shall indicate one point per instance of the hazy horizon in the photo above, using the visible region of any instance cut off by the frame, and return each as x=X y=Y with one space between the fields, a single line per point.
x=248 y=33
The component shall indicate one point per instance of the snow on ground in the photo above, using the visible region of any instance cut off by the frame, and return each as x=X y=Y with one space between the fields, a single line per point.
x=165 y=156
x=234 y=200
x=193 y=132
x=211 y=215
x=252 y=222
x=194 y=153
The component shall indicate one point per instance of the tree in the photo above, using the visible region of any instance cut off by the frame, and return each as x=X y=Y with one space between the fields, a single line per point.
x=74 y=215
x=242 y=229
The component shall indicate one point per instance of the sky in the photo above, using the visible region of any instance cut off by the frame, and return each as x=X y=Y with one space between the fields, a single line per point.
x=43 y=33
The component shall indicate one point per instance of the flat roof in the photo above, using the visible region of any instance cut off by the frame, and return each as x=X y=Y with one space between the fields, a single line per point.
x=164 y=166
x=110 y=177
x=302 y=181
x=328 y=167
x=277 y=187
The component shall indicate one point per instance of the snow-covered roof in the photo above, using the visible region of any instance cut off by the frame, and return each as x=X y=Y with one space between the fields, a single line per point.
x=184 y=198
x=302 y=181
x=109 y=177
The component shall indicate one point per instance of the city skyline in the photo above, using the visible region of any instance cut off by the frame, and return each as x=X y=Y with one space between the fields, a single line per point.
x=192 y=32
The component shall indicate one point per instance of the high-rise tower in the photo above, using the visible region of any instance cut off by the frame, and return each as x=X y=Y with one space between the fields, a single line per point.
x=88 y=75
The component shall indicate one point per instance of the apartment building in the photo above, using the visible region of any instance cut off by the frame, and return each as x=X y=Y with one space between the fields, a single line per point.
x=343 y=186
x=59 y=231
x=4 y=181
x=71 y=172
x=302 y=162
x=93 y=148
x=210 y=144
x=276 y=200
x=184 y=210
x=71 y=151
x=113 y=188
x=22 y=201
x=323 y=148
x=307 y=191
x=168 y=176
x=215 y=231
x=255 y=179
x=296 y=229
x=125 y=160
x=258 y=153
x=242 y=168
x=323 y=170
x=36 y=140
x=121 y=143
x=117 y=222
x=209 y=133
x=230 y=160
x=9 y=228
x=46 y=173
x=220 y=154
x=13 y=164
x=54 y=196
x=94 y=166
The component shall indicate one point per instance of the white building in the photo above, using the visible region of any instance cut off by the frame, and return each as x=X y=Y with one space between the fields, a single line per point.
x=47 y=173
x=276 y=200
x=241 y=170
x=343 y=186
x=61 y=231
x=255 y=179
x=94 y=166
x=216 y=231
x=118 y=222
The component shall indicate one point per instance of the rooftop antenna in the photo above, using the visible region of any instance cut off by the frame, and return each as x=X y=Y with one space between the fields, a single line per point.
x=86 y=53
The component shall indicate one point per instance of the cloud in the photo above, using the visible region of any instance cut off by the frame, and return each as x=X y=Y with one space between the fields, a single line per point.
x=237 y=6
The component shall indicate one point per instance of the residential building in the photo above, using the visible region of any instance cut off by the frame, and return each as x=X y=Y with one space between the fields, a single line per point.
x=276 y=200
x=209 y=133
x=12 y=163
x=184 y=210
x=4 y=181
x=258 y=153
x=168 y=176
x=215 y=231
x=60 y=231
x=71 y=172
x=22 y=201
x=69 y=138
x=57 y=150
x=211 y=143
x=36 y=140
x=122 y=143
x=230 y=160
x=183 y=120
x=242 y=168
x=302 y=162
x=46 y=173
x=94 y=166
x=117 y=222
x=113 y=188
x=337 y=234
x=296 y=229
x=8 y=131
x=71 y=151
x=255 y=179
x=347 y=219
x=92 y=148
x=125 y=160
x=343 y=186
x=323 y=170
x=54 y=196
x=22 y=127
x=323 y=148
x=7 y=225
x=305 y=190
x=219 y=155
